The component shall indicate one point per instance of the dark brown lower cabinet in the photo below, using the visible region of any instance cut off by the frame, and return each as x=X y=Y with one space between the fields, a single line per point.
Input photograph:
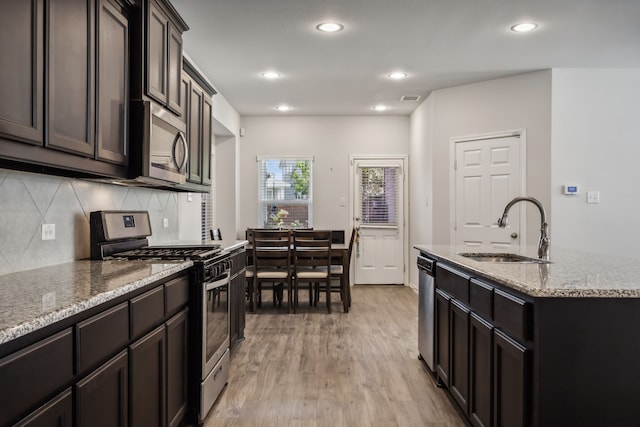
x=510 y=368
x=148 y=379
x=459 y=374
x=57 y=412
x=442 y=336
x=237 y=302
x=177 y=330
x=102 y=397
x=480 y=370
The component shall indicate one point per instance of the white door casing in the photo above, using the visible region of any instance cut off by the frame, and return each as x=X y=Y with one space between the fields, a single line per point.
x=488 y=172
x=380 y=253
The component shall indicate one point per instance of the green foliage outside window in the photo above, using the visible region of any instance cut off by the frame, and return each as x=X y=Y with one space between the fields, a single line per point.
x=300 y=175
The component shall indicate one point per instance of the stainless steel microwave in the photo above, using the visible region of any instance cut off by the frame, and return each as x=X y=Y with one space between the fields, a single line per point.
x=159 y=147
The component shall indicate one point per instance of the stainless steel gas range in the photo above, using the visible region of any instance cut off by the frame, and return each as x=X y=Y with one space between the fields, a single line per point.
x=123 y=235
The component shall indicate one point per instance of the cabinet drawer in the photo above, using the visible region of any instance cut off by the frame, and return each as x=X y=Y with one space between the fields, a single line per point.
x=481 y=298
x=453 y=282
x=101 y=336
x=147 y=310
x=512 y=314
x=176 y=294
x=33 y=373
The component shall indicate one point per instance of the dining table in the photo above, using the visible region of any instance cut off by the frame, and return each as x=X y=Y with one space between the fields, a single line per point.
x=339 y=251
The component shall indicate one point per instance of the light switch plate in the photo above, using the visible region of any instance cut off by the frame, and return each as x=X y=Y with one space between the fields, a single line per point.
x=165 y=223
x=593 y=197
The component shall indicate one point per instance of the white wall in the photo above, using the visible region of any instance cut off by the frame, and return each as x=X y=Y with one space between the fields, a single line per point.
x=331 y=139
x=224 y=152
x=595 y=145
x=519 y=102
x=420 y=182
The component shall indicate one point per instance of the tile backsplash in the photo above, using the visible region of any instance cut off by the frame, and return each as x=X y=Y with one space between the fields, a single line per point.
x=29 y=200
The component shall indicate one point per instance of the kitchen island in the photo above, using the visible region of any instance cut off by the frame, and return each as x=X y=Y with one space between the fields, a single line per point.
x=538 y=344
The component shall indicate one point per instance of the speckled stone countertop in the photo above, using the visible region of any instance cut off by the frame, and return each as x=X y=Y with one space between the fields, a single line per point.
x=571 y=273
x=33 y=299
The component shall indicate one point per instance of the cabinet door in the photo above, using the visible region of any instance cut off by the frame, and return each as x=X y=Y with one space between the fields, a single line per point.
x=480 y=371
x=102 y=397
x=195 y=134
x=21 y=44
x=510 y=382
x=459 y=375
x=148 y=379
x=207 y=111
x=113 y=84
x=157 y=34
x=184 y=98
x=57 y=412
x=70 y=76
x=174 y=70
x=442 y=336
x=177 y=329
x=237 y=319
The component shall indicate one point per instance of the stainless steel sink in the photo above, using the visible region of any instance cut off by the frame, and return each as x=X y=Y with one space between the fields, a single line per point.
x=502 y=257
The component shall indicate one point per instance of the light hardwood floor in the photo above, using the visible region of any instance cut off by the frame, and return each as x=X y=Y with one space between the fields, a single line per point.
x=341 y=369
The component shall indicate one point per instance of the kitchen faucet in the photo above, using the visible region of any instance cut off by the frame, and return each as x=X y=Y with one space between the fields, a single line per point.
x=543 y=244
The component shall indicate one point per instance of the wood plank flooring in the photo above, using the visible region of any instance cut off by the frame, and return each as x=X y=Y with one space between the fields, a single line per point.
x=342 y=369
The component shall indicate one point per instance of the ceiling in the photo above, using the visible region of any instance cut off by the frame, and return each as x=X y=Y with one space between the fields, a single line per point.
x=439 y=43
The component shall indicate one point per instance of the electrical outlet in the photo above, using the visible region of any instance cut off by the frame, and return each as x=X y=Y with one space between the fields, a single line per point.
x=48 y=232
x=165 y=223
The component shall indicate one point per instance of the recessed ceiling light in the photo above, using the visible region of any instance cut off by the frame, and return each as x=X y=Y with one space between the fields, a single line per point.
x=397 y=75
x=283 y=108
x=523 y=27
x=380 y=107
x=329 y=27
x=270 y=75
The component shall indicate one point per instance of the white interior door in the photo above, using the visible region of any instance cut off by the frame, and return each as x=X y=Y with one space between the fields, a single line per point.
x=379 y=214
x=487 y=177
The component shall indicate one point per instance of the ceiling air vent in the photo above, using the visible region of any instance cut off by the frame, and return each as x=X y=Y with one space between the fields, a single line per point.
x=410 y=98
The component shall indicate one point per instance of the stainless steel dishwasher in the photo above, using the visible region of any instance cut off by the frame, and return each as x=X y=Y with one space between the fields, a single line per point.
x=426 y=300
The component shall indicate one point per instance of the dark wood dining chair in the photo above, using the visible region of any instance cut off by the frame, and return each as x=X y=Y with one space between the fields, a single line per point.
x=272 y=258
x=340 y=272
x=312 y=261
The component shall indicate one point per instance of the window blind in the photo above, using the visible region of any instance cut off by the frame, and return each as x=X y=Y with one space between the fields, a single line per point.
x=379 y=190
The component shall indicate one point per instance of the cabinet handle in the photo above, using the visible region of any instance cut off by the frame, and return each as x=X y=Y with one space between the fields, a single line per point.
x=514 y=235
x=180 y=137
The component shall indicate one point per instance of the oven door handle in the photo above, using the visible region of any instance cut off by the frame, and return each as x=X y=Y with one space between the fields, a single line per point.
x=217 y=283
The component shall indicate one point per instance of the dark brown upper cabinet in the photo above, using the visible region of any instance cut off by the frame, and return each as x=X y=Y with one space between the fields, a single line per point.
x=198 y=116
x=113 y=83
x=67 y=91
x=70 y=75
x=164 y=54
x=21 y=85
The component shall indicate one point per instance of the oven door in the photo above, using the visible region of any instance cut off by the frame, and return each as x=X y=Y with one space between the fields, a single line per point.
x=215 y=317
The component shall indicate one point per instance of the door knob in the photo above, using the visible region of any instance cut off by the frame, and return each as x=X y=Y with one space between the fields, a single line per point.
x=514 y=235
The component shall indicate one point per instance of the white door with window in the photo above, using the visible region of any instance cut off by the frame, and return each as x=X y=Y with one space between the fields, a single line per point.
x=378 y=202
x=487 y=176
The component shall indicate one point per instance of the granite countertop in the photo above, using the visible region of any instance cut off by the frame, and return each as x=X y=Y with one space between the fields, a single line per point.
x=571 y=273
x=34 y=299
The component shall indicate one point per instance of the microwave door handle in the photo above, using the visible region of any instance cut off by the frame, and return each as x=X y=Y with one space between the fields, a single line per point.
x=180 y=136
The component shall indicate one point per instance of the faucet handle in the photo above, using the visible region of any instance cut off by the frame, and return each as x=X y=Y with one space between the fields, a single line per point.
x=503 y=221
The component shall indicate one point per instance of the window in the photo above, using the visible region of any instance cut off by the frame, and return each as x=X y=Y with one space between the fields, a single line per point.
x=284 y=192
x=379 y=195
